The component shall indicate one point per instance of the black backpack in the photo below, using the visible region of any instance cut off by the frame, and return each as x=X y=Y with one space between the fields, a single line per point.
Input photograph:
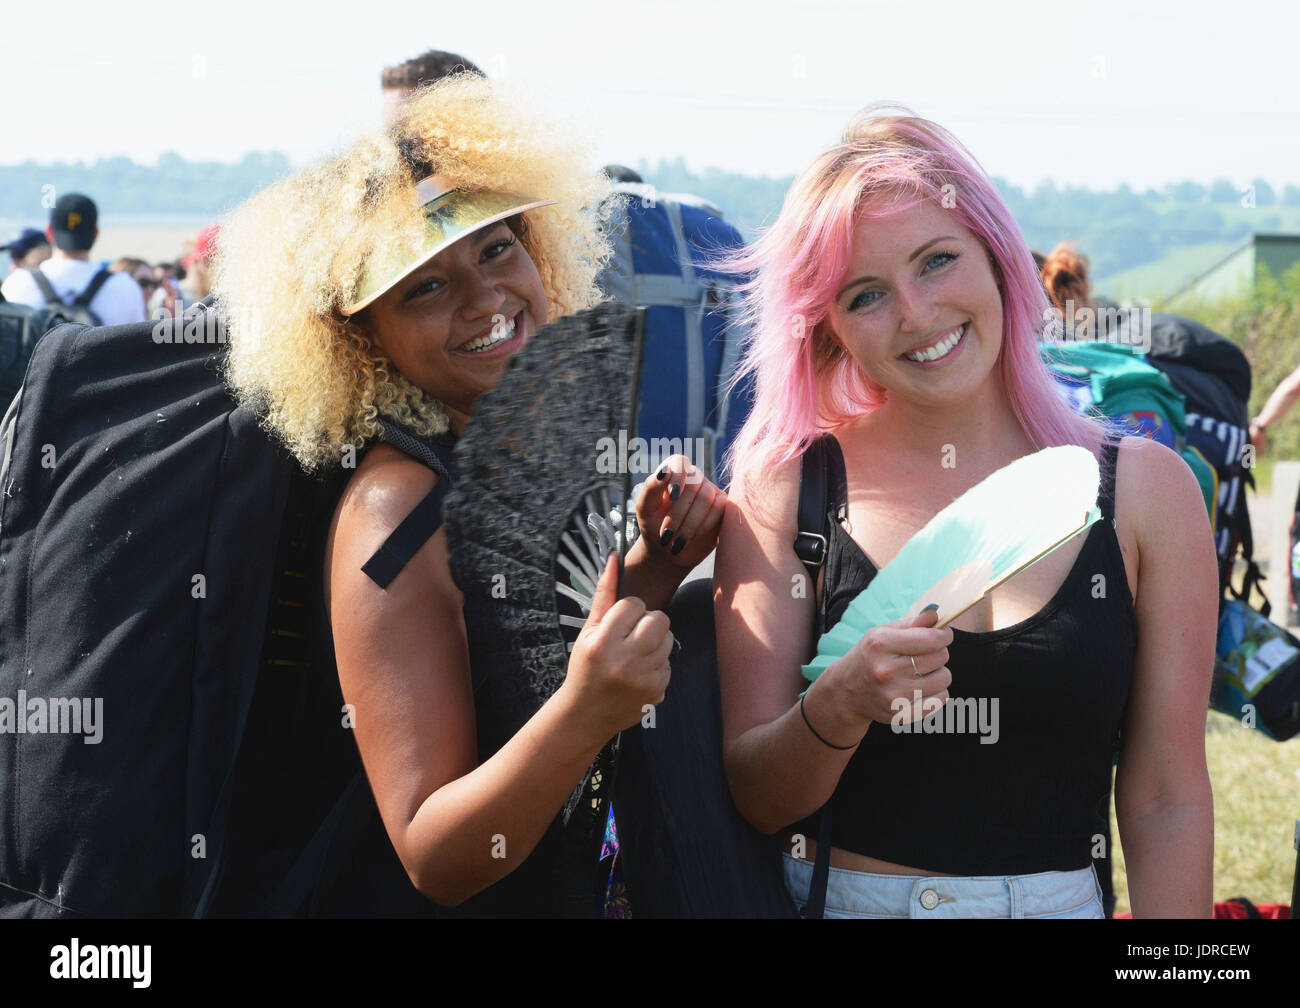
x=1213 y=375
x=175 y=742
x=21 y=326
x=77 y=310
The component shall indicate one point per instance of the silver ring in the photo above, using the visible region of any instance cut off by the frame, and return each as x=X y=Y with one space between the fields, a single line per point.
x=916 y=672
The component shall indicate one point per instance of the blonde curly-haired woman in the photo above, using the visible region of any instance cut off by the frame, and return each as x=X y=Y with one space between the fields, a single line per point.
x=372 y=300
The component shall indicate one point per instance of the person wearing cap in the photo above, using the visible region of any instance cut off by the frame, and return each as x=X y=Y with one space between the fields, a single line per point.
x=370 y=301
x=28 y=249
x=198 y=264
x=73 y=228
x=171 y=298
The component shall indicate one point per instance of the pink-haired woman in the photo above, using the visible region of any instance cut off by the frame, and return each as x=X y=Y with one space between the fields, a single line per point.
x=897 y=307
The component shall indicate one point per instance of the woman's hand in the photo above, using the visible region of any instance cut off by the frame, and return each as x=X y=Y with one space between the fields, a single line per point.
x=680 y=514
x=1259 y=438
x=619 y=664
x=896 y=668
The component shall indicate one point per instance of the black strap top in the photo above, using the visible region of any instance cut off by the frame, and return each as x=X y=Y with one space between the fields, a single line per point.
x=1019 y=782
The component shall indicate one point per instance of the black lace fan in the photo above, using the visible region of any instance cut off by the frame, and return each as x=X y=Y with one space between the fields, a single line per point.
x=537 y=479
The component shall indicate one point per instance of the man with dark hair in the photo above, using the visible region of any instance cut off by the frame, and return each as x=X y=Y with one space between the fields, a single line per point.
x=68 y=273
x=400 y=81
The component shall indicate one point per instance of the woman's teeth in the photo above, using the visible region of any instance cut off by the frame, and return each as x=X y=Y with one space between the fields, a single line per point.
x=941 y=349
x=498 y=335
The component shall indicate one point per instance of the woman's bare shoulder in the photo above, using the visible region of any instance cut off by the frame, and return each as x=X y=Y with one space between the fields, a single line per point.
x=768 y=501
x=1159 y=507
x=1149 y=478
x=387 y=486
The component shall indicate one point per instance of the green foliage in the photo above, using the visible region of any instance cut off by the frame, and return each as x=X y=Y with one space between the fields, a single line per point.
x=120 y=186
x=1265 y=323
x=1119 y=230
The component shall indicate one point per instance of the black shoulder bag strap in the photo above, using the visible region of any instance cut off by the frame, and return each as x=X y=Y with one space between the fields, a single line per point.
x=823 y=482
x=47 y=288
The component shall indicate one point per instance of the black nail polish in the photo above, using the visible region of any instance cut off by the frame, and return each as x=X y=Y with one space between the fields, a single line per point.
x=666 y=538
x=675 y=491
x=662 y=474
x=679 y=545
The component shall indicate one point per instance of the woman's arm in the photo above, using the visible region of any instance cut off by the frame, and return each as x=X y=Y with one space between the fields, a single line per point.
x=778 y=768
x=1279 y=405
x=403 y=663
x=1162 y=790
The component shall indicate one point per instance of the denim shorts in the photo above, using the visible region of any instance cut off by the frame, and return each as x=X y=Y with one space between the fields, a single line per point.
x=864 y=894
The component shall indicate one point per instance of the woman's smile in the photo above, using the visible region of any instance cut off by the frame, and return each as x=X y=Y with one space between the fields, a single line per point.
x=940 y=350
x=505 y=337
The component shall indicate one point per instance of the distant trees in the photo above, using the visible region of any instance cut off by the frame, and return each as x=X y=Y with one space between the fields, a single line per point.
x=1222 y=191
x=1117 y=229
x=121 y=186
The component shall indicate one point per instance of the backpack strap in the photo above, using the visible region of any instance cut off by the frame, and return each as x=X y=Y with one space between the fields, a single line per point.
x=416 y=529
x=822 y=482
x=1106 y=488
x=823 y=491
x=88 y=295
x=424 y=520
x=46 y=288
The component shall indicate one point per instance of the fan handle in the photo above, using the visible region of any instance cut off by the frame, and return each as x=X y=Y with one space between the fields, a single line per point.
x=638 y=337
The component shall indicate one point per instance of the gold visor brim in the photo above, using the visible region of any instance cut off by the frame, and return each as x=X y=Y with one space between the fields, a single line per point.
x=447 y=219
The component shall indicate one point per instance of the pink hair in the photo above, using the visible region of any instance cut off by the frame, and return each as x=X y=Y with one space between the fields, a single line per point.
x=804 y=383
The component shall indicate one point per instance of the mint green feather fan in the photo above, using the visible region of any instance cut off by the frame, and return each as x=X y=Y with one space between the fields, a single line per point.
x=994 y=530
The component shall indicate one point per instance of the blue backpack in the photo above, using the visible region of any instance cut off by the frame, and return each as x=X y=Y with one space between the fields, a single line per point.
x=663 y=247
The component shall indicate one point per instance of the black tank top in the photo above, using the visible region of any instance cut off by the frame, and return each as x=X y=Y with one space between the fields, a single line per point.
x=1035 y=799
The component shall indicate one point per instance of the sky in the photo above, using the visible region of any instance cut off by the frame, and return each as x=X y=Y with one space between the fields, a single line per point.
x=1092 y=94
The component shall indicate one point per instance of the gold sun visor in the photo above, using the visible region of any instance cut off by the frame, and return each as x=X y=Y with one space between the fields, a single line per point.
x=449 y=215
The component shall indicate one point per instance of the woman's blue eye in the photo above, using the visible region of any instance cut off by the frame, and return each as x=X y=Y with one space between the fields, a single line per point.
x=859 y=302
x=935 y=261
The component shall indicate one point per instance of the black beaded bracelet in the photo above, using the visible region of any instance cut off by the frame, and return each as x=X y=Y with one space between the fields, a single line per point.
x=832 y=745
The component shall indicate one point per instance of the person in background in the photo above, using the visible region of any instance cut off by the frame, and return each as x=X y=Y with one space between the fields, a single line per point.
x=1065 y=274
x=28 y=249
x=403 y=80
x=141 y=272
x=166 y=290
x=73 y=230
x=198 y=264
x=1278 y=406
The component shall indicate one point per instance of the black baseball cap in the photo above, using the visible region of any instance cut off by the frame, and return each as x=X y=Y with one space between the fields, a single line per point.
x=26 y=240
x=74 y=220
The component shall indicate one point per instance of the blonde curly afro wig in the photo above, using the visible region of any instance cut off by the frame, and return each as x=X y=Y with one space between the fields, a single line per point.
x=291 y=258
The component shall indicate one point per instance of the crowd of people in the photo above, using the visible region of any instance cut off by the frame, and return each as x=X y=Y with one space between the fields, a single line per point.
x=54 y=266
